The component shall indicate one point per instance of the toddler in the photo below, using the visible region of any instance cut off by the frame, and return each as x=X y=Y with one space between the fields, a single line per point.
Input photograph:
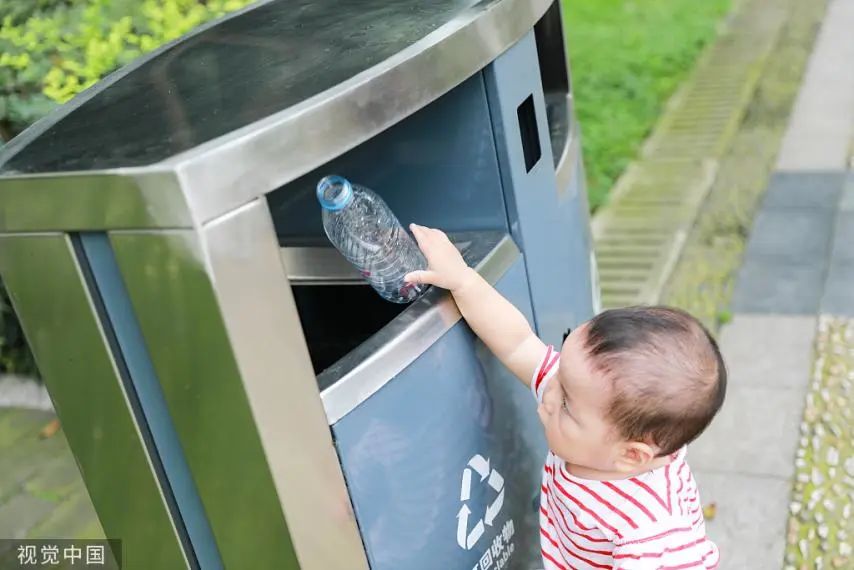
x=620 y=401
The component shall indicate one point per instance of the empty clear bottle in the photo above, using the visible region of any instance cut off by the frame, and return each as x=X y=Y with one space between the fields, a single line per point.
x=365 y=230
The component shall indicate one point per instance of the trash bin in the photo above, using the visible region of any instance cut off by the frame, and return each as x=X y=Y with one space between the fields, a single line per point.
x=233 y=394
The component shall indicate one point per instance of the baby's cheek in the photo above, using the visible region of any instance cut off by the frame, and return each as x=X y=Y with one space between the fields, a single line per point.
x=552 y=397
x=558 y=441
x=544 y=416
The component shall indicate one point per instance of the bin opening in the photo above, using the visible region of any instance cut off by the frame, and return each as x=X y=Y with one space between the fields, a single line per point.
x=344 y=320
x=337 y=318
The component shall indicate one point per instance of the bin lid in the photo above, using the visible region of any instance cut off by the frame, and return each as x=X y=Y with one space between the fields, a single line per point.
x=272 y=91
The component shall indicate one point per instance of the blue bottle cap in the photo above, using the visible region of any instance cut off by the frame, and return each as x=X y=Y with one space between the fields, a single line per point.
x=334 y=192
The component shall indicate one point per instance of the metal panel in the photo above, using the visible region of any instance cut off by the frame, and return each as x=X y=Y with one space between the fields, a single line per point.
x=259 y=311
x=568 y=156
x=240 y=389
x=177 y=480
x=574 y=211
x=120 y=199
x=183 y=330
x=72 y=349
x=437 y=168
x=405 y=451
x=318 y=265
x=365 y=370
x=545 y=230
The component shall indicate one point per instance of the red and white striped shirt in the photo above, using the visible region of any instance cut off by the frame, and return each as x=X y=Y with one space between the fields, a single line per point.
x=651 y=521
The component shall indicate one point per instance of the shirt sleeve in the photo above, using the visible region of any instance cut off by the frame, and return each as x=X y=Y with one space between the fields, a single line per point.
x=669 y=544
x=545 y=371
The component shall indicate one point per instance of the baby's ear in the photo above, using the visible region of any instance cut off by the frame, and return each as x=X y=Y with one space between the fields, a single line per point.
x=635 y=456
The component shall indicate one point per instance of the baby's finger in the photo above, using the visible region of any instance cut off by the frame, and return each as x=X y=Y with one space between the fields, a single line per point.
x=436 y=233
x=420 y=276
x=419 y=230
x=419 y=234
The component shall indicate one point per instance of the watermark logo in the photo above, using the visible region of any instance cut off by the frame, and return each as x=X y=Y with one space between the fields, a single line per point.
x=60 y=553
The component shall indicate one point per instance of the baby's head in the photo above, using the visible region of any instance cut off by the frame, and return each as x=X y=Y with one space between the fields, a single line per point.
x=634 y=385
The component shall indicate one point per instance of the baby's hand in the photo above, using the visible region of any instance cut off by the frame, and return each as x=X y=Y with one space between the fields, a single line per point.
x=446 y=267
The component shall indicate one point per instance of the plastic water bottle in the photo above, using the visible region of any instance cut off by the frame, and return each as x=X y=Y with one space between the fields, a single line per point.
x=365 y=230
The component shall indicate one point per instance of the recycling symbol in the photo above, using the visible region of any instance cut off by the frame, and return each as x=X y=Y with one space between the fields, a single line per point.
x=468 y=538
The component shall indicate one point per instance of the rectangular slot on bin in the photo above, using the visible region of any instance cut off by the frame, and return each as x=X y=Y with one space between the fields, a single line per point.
x=529 y=132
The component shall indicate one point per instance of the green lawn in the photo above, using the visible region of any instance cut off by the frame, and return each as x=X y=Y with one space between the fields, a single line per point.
x=627 y=58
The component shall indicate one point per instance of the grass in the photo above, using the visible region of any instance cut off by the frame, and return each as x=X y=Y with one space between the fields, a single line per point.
x=627 y=58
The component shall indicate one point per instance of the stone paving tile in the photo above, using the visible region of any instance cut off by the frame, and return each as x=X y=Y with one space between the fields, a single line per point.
x=768 y=351
x=804 y=190
x=843 y=238
x=57 y=479
x=17 y=424
x=838 y=298
x=75 y=517
x=821 y=125
x=771 y=285
x=814 y=152
x=755 y=433
x=847 y=202
x=21 y=462
x=39 y=478
x=796 y=235
x=21 y=513
x=23 y=392
x=750 y=521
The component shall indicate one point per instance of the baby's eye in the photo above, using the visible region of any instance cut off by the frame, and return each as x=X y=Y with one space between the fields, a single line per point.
x=565 y=405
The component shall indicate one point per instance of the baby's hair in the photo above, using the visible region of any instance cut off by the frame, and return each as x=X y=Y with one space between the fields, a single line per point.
x=666 y=370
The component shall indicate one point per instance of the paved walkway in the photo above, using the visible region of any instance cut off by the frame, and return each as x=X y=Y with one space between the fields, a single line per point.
x=782 y=445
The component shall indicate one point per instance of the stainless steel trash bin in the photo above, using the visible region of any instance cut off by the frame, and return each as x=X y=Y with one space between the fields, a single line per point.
x=233 y=396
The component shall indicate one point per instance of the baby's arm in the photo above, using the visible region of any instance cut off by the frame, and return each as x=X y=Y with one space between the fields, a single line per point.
x=500 y=325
